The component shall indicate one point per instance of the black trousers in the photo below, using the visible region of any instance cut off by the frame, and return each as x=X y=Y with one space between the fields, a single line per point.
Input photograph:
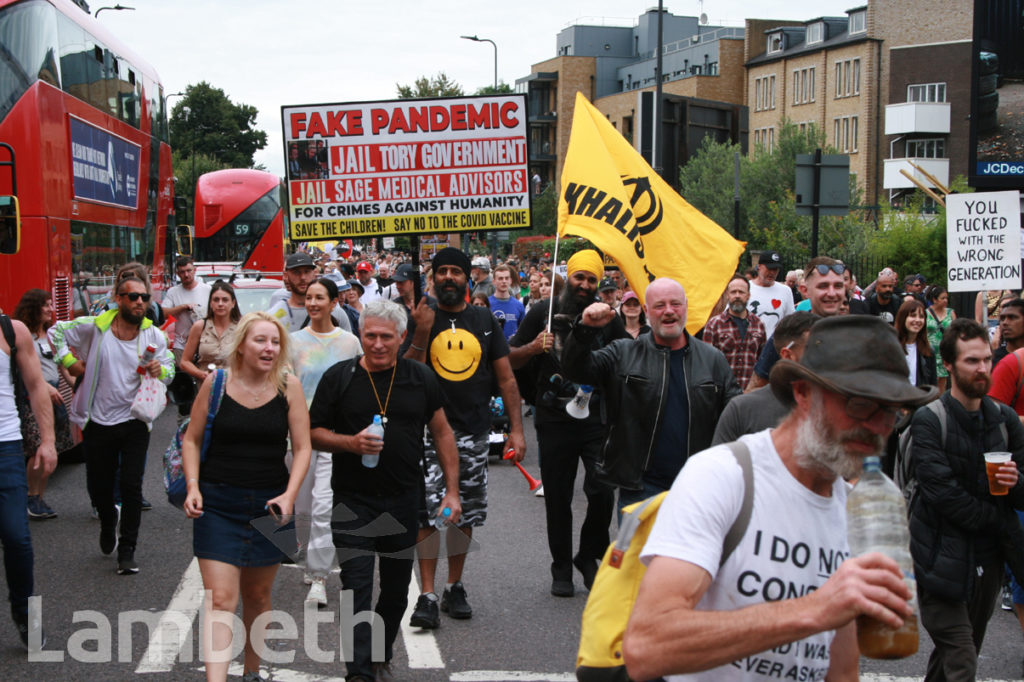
x=562 y=446
x=358 y=549
x=105 y=447
x=957 y=628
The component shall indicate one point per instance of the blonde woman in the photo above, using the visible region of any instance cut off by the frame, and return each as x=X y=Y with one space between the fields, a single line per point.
x=243 y=479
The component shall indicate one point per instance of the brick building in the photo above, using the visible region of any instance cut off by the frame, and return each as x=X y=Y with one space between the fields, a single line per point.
x=841 y=74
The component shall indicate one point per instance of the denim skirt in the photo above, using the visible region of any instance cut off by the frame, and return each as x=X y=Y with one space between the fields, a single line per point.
x=237 y=529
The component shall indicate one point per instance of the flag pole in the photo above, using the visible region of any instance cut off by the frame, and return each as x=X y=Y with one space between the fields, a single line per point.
x=551 y=301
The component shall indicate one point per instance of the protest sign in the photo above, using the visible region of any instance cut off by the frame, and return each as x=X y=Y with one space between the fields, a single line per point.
x=405 y=167
x=983 y=241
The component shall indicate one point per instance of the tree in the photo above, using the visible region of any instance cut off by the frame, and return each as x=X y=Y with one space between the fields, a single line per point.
x=187 y=170
x=424 y=86
x=207 y=122
x=502 y=89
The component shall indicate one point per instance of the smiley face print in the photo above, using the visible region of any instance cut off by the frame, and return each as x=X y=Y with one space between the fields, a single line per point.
x=455 y=354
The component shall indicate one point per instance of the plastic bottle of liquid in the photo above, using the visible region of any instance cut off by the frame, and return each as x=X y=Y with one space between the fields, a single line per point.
x=375 y=429
x=147 y=357
x=876 y=518
x=579 y=406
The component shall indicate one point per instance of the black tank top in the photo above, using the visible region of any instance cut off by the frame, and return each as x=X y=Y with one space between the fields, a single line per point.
x=248 y=446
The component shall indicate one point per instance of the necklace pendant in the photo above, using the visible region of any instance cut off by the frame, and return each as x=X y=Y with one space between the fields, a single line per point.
x=383 y=420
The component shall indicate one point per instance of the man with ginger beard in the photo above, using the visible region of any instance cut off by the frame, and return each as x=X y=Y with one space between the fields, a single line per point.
x=563 y=440
x=737 y=332
x=700 y=615
x=960 y=533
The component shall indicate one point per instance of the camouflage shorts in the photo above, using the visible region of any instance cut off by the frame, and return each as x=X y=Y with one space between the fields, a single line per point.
x=473 y=452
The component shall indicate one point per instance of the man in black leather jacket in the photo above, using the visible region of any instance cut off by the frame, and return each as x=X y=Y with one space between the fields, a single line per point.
x=664 y=392
x=960 y=534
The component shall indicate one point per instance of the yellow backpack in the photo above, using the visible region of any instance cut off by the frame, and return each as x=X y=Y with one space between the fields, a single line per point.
x=618 y=580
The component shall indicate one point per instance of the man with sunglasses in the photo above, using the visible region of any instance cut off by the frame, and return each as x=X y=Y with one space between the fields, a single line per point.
x=960 y=533
x=108 y=350
x=825 y=289
x=785 y=599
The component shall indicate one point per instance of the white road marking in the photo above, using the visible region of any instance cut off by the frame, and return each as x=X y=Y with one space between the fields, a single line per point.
x=169 y=636
x=420 y=645
x=282 y=674
x=510 y=676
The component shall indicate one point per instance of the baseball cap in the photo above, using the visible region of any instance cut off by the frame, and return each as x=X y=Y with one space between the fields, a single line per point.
x=629 y=296
x=355 y=283
x=298 y=260
x=343 y=285
x=364 y=267
x=770 y=259
x=482 y=263
x=403 y=273
x=607 y=284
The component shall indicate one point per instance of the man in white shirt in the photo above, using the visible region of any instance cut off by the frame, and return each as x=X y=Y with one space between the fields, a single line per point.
x=784 y=602
x=769 y=300
x=372 y=290
x=186 y=303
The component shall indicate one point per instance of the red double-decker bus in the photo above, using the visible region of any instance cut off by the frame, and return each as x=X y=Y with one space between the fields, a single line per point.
x=86 y=120
x=239 y=219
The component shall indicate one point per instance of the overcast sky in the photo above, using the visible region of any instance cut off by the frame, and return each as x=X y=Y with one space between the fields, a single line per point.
x=286 y=52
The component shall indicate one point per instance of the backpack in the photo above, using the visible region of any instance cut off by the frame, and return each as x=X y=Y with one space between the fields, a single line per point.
x=174 y=473
x=903 y=468
x=618 y=579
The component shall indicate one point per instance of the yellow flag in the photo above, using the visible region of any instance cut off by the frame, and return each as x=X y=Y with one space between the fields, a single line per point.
x=612 y=197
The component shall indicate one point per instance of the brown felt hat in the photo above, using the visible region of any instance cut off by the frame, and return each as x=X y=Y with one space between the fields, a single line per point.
x=854 y=355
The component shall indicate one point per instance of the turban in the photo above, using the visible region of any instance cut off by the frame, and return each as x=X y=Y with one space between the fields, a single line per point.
x=451 y=256
x=587 y=260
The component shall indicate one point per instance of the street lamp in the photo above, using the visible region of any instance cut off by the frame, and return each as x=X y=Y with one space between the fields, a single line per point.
x=495 y=46
x=117 y=7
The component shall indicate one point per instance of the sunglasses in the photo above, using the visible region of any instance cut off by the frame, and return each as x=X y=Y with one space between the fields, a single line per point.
x=823 y=269
x=134 y=296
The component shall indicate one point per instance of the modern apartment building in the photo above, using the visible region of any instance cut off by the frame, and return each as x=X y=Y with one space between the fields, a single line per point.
x=613 y=66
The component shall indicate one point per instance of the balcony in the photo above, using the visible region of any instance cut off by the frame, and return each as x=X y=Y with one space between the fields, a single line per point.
x=893 y=179
x=917 y=117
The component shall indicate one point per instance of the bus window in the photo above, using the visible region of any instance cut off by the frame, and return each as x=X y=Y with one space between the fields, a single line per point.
x=102 y=249
x=184 y=237
x=10 y=225
x=28 y=34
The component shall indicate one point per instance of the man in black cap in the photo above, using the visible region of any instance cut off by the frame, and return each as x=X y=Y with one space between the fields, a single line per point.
x=769 y=300
x=608 y=292
x=299 y=273
x=465 y=347
x=693 y=613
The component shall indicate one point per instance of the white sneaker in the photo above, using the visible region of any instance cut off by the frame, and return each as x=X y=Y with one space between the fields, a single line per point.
x=540 y=492
x=317 y=593
x=307 y=578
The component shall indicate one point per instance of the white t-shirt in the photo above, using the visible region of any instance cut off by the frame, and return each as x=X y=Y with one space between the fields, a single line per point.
x=912 y=362
x=118 y=380
x=373 y=291
x=795 y=541
x=770 y=304
x=198 y=295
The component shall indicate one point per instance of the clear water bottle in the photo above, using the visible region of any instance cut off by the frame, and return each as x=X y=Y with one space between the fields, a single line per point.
x=876 y=517
x=370 y=461
x=579 y=406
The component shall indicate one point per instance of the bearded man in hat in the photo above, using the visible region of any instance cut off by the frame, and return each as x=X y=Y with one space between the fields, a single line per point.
x=697 y=618
x=564 y=440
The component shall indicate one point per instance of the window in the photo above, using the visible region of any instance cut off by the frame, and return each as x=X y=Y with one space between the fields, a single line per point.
x=932 y=148
x=803 y=85
x=845 y=135
x=764 y=93
x=926 y=92
x=858 y=22
x=28 y=34
x=775 y=43
x=815 y=33
x=764 y=137
x=848 y=78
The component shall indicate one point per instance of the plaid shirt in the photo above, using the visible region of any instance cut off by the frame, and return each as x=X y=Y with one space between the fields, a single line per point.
x=722 y=332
